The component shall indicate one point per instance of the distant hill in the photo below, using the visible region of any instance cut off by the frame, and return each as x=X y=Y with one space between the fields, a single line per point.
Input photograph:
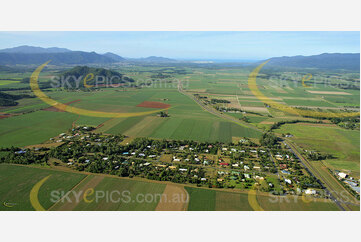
x=113 y=56
x=72 y=57
x=157 y=59
x=323 y=61
x=81 y=71
x=26 y=49
x=10 y=100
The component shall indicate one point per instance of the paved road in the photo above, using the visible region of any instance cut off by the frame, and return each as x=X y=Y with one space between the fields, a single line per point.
x=342 y=205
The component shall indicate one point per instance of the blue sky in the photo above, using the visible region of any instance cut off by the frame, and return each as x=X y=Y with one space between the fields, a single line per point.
x=192 y=44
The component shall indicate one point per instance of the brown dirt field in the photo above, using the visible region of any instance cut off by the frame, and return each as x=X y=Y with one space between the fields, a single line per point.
x=5 y=116
x=66 y=206
x=150 y=104
x=267 y=122
x=255 y=109
x=49 y=145
x=54 y=109
x=319 y=125
x=174 y=198
x=326 y=92
x=166 y=158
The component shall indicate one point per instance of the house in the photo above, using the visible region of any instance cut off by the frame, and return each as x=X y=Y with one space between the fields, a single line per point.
x=247 y=176
x=141 y=154
x=20 y=152
x=224 y=164
x=256 y=167
x=146 y=164
x=310 y=192
x=279 y=157
x=203 y=179
x=196 y=159
x=151 y=156
x=246 y=168
x=105 y=158
x=233 y=149
x=125 y=153
x=288 y=181
x=182 y=169
x=172 y=167
x=286 y=172
x=224 y=149
x=342 y=175
x=220 y=180
x=235 y=165
x=283 y=166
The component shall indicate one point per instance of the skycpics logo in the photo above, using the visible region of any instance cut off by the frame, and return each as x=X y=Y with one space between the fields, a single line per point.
x=91 y=195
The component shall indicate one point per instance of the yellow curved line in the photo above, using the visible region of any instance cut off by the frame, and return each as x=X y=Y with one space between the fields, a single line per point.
x=306 y=78
x=34 y=195
x=7 y=205
x=87 y=78
x=80 y=111
x=310 y=113
x=252 y=200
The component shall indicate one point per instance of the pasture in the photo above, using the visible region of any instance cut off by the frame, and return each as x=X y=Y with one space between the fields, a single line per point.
x=215 y=200
x=16 y=183
x=343 y=144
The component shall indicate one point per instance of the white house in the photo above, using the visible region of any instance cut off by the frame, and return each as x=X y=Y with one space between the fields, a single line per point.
x=288 y=181
x=342 y=175
x=310 y=192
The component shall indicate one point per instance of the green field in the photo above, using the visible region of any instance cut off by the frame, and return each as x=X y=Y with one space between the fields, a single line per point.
x=33 y=128
x=15 y=191
x=212 y=200
x=17 y=182
x=343 y=144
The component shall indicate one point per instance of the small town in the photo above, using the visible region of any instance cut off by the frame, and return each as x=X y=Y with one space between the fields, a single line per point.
x=243 y=165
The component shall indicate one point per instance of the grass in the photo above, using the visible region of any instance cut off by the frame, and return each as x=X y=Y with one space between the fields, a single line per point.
x=343 y=144
x=214 y=200
x=133 y=196
x=16 y=183
x=33 y=128
x=279 y=203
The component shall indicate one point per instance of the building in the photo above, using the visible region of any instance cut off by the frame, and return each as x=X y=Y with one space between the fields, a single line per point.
x=310 y=192
x=342 y=175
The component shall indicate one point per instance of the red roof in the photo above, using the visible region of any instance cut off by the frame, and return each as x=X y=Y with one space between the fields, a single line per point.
x=224 y=164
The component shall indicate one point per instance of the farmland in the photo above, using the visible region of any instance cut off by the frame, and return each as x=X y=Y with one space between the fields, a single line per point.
x=190 y=103
x=136 y=195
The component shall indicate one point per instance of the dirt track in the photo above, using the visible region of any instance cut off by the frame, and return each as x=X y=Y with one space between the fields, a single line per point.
x=174 y=198
x=149 y=104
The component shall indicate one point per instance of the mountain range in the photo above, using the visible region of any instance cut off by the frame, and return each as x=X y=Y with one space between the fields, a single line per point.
x=27 y=55
x=347 y=61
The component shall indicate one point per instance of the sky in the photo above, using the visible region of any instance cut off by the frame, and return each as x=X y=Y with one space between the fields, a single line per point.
x=242 y=45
